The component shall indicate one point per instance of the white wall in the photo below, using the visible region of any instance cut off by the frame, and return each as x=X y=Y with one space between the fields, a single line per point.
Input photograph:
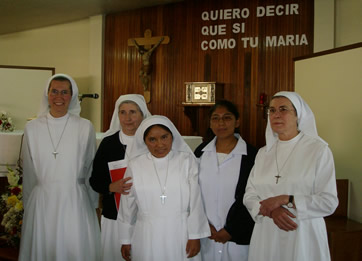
x=72 y=48
x=324 y=25
x=331 y=85
x=22 y=84
x=348 y=22
x=337 y=23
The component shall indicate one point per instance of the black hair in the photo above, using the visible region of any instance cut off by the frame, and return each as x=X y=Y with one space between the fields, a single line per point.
x=230 y=107
x=62 y=79
x=158 y=125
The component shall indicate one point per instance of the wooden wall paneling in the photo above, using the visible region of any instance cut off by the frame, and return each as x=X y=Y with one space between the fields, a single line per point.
x=246 y=72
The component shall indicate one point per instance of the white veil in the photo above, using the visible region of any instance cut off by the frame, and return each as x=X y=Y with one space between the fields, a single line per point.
x=139 y=146
x=306 y=120
x=115 y=124
x=74 y=106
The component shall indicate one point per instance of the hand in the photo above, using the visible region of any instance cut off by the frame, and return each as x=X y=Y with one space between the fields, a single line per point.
x=126 y=252
x=192 y=247
x=213 y=232
x=269 y=204
x=282 y=218
x=222 y=236
x=120 y=186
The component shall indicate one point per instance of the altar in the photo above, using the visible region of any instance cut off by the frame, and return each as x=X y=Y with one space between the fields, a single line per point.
x=10 y=143
x=10 y=148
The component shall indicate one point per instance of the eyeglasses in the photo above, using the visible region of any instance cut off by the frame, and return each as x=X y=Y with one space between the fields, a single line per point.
x=224 y=118
x=55 y=92
x=282 y=110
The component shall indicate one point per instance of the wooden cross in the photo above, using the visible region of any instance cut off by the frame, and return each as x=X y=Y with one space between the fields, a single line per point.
x=145 y=47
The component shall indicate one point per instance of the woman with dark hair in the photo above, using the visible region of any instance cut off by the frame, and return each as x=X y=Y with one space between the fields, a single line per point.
x=225 y=164
x=162 y=217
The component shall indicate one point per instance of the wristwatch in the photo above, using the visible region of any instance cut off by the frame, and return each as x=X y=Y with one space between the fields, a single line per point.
x=290 y=202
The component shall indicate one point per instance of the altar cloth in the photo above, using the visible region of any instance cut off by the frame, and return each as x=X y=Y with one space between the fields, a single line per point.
x=9 y=149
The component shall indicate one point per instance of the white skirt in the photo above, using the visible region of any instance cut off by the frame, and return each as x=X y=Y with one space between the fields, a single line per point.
x=111 y=246
x=230 y=251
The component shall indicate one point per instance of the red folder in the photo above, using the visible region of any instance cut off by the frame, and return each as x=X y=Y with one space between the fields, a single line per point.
x=117 y=174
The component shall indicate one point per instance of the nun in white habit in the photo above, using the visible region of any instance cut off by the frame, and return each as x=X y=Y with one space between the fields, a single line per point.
x=60 y=221
x=162 y=217
x=112 y=156
x=292 y=186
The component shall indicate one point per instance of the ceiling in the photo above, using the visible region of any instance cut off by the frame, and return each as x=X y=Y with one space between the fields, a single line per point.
x=21 y=15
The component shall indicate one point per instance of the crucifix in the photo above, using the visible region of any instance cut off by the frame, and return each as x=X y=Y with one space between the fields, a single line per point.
x=278 y=177
x=163 y=199
x=145 y=46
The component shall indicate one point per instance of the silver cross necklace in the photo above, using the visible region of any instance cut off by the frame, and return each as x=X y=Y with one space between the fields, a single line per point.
x=55 y=152
x=276 y=159
x=163 y=196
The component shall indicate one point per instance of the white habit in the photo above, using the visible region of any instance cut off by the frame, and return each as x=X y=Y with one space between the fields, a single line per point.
x=60 y=221
x=309 y=175
x=160 y=231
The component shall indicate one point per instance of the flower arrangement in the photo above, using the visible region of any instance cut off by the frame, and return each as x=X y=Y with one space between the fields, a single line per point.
x=6 y=123
x=11 y=207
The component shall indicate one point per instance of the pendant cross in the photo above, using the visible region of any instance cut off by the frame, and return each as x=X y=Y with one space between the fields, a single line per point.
x=278 y=176
x=55 y=154
x=163 y=199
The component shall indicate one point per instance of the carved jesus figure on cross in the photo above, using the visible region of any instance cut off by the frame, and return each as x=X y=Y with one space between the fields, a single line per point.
x=145 y=46
x=146 y=69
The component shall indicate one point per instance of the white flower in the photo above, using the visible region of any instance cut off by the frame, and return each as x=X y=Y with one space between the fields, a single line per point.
x=4 y=197
x=6 y=123
x=11 y=207
x=13 y=179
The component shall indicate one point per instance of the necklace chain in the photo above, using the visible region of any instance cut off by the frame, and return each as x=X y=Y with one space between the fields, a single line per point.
x=61 y=136
x=285 y=162
x=163 y=188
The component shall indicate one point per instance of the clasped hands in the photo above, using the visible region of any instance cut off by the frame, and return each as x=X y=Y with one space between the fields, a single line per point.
x=120 y=186
x=221 y=236
x=282 y=217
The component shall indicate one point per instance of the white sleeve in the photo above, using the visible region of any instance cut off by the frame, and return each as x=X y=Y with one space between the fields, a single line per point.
x=198 y=226
x=324 y=200
x=127 y=212
x=88 y=162
x=29 y=176
x=251 y=199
